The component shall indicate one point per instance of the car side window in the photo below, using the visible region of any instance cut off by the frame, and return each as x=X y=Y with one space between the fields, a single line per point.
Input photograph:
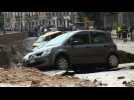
x=98 y=37
x=82 y=38
x=47 y=38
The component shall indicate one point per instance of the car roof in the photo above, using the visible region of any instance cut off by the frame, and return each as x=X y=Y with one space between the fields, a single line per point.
x=77 y=31
x=91 y=30
x=51 y=33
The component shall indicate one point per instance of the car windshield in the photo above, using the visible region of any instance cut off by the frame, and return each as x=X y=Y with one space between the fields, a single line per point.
x=47 y=38
x=60 y=39
x=41 y=39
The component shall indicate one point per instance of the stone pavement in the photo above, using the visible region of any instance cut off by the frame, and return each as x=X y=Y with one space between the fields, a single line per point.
x=109 y=78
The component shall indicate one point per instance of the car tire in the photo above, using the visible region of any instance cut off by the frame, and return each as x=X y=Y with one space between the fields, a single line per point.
x=113 y=61
x=62 y=63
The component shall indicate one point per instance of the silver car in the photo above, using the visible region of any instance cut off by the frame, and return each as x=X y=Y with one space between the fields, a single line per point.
x=76 y=47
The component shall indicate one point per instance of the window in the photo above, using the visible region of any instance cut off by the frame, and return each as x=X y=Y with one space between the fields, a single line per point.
x=81 y=38
x=53 y=14
x=32 y=23
x=64 y=13
x=67 y=13
x=53 y=36
x=98 y=37
x=59 y=14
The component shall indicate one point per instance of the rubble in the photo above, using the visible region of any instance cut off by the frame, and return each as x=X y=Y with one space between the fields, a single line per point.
x=31 y=77
x=129 y=83
x=13 y=74
x=120 y=77
x=11 y=49
x=99 y=83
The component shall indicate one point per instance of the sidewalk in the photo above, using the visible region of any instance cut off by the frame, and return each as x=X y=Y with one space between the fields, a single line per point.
x=9 y=32
x=125 y=46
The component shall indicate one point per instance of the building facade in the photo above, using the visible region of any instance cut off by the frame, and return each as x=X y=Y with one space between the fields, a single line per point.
x=1 y=21
x=23 y=21
x=61 y=19
x=109 y=19
x=28 y=21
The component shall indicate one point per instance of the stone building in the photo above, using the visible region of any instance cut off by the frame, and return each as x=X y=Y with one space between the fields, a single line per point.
x=23 y=21
x=1 y=21
x=67 y=19
x=28 y=21
x=112 y=19
x=61 y=19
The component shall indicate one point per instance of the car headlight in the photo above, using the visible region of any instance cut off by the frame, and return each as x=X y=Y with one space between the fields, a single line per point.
x=45 y=52
x=39 y=54
x=32 y=59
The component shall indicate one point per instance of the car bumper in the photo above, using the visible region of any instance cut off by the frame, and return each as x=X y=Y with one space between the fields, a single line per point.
x=39 y=62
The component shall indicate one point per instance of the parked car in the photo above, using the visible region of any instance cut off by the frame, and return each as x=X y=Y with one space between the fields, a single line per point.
x=42 y=40
x=74 y=48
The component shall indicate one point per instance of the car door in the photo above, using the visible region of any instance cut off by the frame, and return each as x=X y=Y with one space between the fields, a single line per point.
x=78 y=51
x=99 y=47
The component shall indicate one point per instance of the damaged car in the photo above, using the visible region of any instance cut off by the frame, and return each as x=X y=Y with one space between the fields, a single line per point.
x=74 y=48
x=43 y=39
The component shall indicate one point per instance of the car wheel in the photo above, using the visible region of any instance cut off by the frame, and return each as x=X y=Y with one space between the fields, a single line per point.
x=62 y=63
x=113 y=60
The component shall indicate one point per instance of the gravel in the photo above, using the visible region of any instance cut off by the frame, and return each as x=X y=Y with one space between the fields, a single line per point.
x=31 y=77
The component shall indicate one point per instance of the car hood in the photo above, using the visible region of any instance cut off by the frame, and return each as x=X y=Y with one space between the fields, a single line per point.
x=36 y=51
x=39 y=45
x=45 y=47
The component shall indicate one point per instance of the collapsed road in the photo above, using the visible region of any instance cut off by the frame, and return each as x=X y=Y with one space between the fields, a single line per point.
x=86 y=76
x=118 y=77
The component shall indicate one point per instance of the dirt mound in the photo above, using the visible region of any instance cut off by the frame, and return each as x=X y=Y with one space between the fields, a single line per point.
x=27 y=44
x=11 y=49
x=35 y=78
x=10 y=56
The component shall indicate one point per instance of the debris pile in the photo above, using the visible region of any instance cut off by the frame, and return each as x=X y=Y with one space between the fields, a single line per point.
x=31 y=77
x=11 y=48
x=129 y=84
x=9 y=56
